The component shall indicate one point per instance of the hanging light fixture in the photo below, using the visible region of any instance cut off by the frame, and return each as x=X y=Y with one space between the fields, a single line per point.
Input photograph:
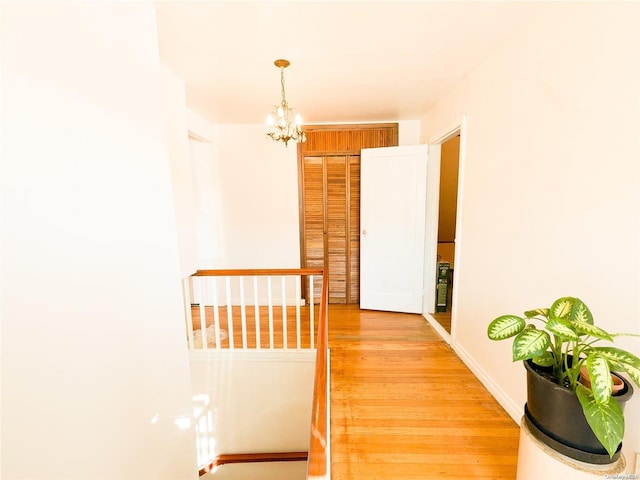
x=282 y=125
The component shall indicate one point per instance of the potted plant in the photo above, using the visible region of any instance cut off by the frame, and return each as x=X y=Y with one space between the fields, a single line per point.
x=555 y=344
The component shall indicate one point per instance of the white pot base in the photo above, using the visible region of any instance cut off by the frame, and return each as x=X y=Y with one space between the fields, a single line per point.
x=535 y=458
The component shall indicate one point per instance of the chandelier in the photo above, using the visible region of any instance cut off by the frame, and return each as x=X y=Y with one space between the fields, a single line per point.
x=282 y=125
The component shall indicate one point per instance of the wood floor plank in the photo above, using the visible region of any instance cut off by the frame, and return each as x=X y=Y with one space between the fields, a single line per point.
x=404 y=406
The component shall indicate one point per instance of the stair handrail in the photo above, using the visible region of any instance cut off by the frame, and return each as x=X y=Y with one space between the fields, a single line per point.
x=262 y=457
x=257 y=271
x=318 y=466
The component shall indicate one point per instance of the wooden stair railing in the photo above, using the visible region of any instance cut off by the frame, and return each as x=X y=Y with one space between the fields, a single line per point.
x=318 y=463
x=251 y=309
x=257 y=271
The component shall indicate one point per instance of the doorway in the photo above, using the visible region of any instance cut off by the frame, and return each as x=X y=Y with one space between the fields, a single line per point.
x=443 y=237
x=447 y=213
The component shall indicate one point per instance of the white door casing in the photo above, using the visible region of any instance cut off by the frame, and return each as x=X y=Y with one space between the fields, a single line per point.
x=392 y=228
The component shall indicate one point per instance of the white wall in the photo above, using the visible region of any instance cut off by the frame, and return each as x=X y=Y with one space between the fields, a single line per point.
x=208 y=204
x=181 y=175
x=206 y=192
x=259 y=401
x=408 y=132
x=92 y=326
x=551 y=184
x=259 y=189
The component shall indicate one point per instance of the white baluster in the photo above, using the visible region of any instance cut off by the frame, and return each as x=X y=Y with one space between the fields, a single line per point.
x=216 y=312
x=284 y=312
x=243 y=313
x=270 y=305
x=298 y=329
x=203 y=320
x=312 y=311
x=229 y=311
x=256 y=306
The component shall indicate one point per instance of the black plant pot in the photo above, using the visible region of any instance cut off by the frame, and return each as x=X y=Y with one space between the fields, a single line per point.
x=554 y=416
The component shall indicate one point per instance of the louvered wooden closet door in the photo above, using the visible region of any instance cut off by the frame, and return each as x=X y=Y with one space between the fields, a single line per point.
x=336 y=228
x=343 y=226
x=332 y=205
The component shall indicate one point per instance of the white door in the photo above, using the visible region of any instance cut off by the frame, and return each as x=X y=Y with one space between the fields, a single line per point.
x=392 y=227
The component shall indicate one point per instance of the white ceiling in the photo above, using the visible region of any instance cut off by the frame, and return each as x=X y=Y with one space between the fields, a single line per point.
x=355 y=61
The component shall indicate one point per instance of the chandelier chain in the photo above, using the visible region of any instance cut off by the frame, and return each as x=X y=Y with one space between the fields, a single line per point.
x=284 y=100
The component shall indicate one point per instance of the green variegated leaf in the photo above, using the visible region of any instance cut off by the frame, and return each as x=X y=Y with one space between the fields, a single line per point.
x=600 y=376
x=580 y=312
x=505 y=326
x=633 y=372
x=572 y=309
x=585 y=328
x=620 y=359
x=542 y=312
x=561 y=308
x=530 y=343
x=562 y=328
x=625 y=334
x=544 y=360
x=605 y=419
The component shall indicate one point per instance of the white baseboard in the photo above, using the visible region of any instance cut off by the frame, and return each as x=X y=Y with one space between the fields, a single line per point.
x=512 y=408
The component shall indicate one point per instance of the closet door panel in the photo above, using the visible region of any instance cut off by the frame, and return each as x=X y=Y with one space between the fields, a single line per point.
x=314 y=212
x=336 y=227
x=353 y=252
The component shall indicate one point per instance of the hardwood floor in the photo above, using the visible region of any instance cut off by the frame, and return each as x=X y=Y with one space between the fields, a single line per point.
x=404 y=406
x=444 y=319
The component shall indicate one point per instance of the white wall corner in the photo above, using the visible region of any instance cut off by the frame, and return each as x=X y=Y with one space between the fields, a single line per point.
x=199 y=127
